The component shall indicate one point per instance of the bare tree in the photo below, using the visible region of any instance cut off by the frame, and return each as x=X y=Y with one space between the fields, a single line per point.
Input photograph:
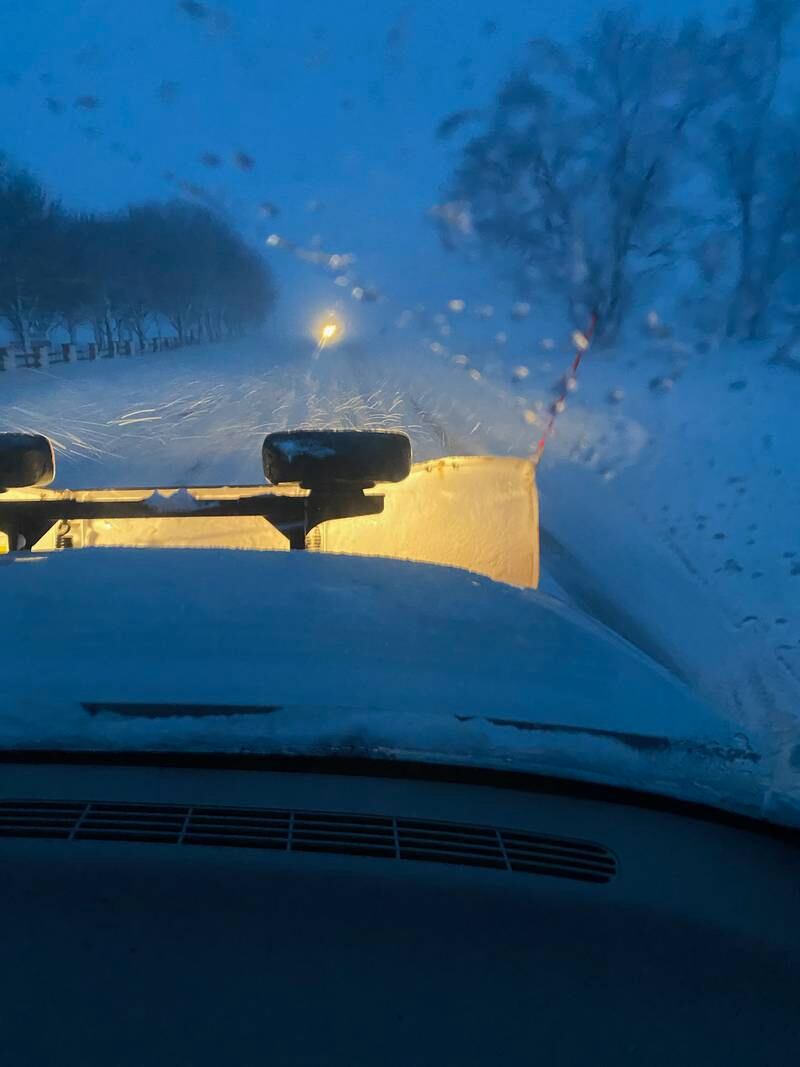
x=754 y=158
x=122 y=273
x=575 y=178
x=187 y=264
x=78 y=275
x=27 y=281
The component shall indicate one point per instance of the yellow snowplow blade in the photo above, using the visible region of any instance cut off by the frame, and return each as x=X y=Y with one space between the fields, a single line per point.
x=475 y=512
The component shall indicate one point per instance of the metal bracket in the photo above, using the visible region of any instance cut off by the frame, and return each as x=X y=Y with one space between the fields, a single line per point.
x=25 y=522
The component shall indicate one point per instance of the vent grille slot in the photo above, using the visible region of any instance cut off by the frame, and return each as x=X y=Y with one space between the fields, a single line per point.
x=380 y=836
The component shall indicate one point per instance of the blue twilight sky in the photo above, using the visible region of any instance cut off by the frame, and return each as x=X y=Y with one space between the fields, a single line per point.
x=112 y=101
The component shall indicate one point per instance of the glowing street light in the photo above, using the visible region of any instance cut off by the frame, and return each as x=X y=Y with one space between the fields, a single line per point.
x=328 y=331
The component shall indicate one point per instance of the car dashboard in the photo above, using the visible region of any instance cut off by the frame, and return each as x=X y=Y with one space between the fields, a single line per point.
x=180 y=911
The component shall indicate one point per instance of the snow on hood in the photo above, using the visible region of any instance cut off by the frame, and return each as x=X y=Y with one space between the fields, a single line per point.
x=232 y=651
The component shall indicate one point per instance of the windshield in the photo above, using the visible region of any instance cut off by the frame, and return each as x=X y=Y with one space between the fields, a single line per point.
x=561 y=244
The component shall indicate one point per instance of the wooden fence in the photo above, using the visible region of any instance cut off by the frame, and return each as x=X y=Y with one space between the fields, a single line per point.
x=45 y=354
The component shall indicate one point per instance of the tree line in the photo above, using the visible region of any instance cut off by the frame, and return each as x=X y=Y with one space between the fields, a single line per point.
x=126 y=275
x=641 y=160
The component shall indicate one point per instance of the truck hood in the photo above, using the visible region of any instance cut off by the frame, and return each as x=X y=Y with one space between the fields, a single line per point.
x=294 y=653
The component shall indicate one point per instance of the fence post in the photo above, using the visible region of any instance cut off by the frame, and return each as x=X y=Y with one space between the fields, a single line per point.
x=3 y=357
x=29 y=359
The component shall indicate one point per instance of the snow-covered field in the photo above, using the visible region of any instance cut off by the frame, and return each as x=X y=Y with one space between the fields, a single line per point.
x=670 y=496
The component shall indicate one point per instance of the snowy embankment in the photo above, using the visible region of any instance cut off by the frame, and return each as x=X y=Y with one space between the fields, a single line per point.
x=670 y=497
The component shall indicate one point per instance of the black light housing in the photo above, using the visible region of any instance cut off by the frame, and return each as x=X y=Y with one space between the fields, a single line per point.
x=26 y=461
x=319 y=458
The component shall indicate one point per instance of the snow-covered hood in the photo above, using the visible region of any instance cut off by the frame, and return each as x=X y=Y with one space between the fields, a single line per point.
x=302 y=653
